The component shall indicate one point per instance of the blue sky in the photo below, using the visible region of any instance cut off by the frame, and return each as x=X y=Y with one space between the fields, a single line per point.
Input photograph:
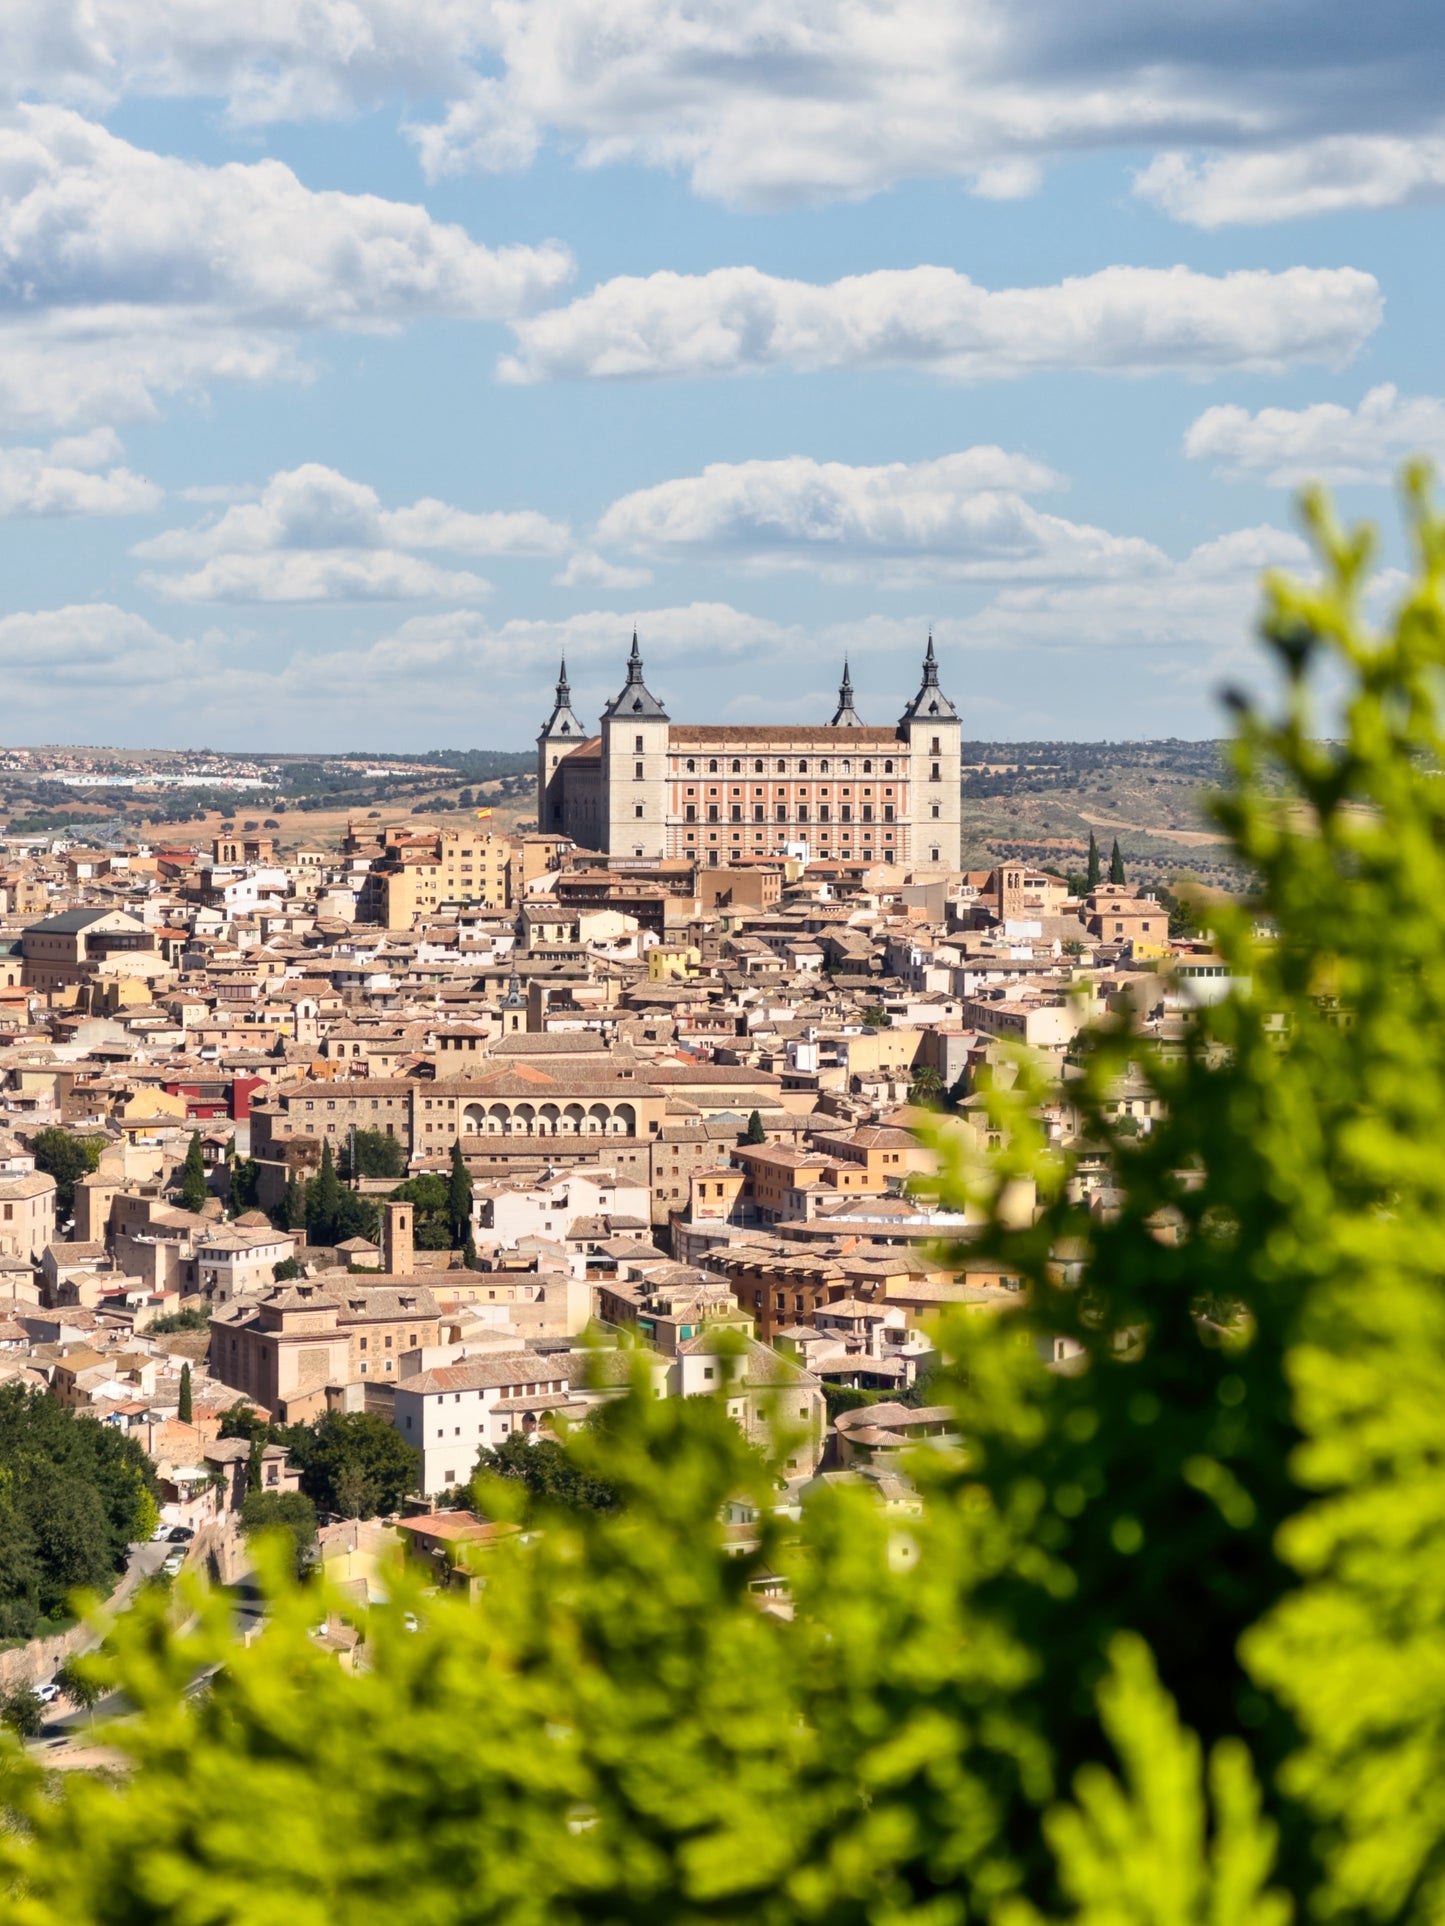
x=359 y=356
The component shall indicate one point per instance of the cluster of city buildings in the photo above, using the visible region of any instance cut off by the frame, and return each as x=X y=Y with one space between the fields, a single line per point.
x=681 y=1031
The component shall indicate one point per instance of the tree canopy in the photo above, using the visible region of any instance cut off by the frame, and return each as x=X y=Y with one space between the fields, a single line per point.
x=64 y=1156
x=74 y=1494
x=1161 y=1645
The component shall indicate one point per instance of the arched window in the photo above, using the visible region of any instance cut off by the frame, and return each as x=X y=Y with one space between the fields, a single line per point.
x=823 y=766
x=867 y=769
x=888 y=767
x=782 y=767
x=691 y=766
x=802 y=769
x=712 y=766
x=847 y=768
x=758 y=766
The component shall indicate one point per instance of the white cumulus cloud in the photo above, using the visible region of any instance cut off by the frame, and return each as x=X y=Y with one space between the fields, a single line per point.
x=1325 y=442
x=1121 y=320
x=963 y=516
x=314 y=535
x=1327 y=176
x=769 y=106
x=127 y=275
x=77 y=475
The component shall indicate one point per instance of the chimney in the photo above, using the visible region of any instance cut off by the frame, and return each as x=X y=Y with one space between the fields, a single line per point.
x=396 y=1246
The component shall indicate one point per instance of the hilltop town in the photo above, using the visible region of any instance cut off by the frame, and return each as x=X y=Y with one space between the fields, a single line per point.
x=406 y=1130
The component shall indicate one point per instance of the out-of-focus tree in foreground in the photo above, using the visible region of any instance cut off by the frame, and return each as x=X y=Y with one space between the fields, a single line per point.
x=1164 y=1646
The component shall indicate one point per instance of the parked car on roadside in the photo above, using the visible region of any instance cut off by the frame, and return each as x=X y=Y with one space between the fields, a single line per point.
x=47 y=1693
x=179 y=1535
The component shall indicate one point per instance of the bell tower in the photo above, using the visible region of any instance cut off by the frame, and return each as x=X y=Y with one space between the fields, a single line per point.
x=931 y=728
x=634 y=767
x=560 y=732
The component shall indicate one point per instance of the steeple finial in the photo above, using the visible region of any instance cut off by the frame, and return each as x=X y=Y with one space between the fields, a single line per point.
x=846 y=717
x=564 y=692
x=930 y=664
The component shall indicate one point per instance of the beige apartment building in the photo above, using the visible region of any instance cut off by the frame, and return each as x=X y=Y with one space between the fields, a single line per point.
x=79 y=944
x=27 y=1214
x=418 y=872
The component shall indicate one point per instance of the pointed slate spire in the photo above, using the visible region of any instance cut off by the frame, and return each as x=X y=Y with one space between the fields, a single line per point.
x=846 y=716
x=636 y=702
x=514 y=999
x=562 y=721
x=930 y=704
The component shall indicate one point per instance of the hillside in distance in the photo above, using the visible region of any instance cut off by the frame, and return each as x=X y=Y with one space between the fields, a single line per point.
x=1039 y=801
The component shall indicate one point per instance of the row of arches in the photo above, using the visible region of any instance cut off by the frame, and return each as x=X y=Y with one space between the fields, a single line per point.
x=549 y=1120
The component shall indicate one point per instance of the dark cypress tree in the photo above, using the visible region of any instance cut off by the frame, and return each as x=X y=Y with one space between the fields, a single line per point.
x=193 y=1176
x=1095 y=871
x=183 y=1409
x=323 y=1204
x=255 y=1467
x=459 y=1199
x=756 y=1133
x=1116 y=865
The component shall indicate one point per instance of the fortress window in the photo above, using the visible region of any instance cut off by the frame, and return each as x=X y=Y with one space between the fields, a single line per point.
x=758 y=766
x=757 y=812
x=782 y=767
x=637 y=772
x=933 y=772
x=888 y=767
x=781 y=790
x=737 y=812
x=692 y=765
x=692 y=792
x=712 y=812
x=823 y=766
x=637 y=744
x=823 y=812
x=712 y=766
x=867 y=769
x=933 y=747
x=802 y=812
x=935 y=812
x=689 y=814
x=637 y=809
x=782 y=812
x=802 y=769
x=847 y=768
x=867 y=812
x=845 y=814
x=737 y=767
x=887 y=812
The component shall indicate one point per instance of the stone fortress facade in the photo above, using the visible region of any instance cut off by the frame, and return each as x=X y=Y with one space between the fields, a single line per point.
x=647 y=787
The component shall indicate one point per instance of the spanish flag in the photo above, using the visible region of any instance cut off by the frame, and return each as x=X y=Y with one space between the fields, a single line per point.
x=484 y=812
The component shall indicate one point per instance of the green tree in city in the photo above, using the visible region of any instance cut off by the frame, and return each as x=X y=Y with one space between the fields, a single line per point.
x=193 y=1176
x=1158 y=1645
x=1116 y=864
x=81 y=1684
x=926 y=1087
x=293 y=1209
x=430 y=1198
x=358 y=1464
x=23 y=1710
x=323 y=1201
x=1093 y=875
x=371 y=1153
x=65 y=1157
x=245 y=1185
x=285 y=1268
x=459 y=1199
x=549 y=1474
x=289 y=1515
x=183 y=1408
x=755 y=1133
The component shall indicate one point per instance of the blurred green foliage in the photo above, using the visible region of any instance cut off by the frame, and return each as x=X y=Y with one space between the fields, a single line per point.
x=1162 y=1645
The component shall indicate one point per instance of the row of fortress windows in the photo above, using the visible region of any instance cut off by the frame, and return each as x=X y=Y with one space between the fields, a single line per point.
x=845 y=767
